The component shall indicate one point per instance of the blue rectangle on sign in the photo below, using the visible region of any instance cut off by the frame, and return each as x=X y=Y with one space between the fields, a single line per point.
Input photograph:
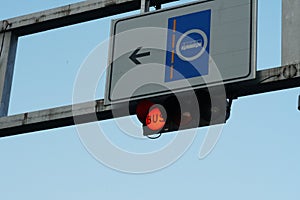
x=188 y=45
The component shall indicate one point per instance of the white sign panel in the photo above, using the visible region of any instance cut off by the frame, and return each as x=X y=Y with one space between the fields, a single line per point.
x=191 y=46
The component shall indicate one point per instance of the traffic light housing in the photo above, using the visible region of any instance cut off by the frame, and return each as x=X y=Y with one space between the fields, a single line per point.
x=182 y=111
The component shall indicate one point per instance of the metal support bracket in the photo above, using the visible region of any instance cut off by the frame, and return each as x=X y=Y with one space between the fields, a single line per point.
x=145 y=6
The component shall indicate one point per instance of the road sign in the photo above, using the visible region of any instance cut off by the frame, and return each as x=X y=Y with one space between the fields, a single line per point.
x=190 y=46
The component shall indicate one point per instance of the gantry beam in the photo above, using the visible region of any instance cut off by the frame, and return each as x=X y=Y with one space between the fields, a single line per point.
x=266 y=81
x=71 y=14
x=274 y=79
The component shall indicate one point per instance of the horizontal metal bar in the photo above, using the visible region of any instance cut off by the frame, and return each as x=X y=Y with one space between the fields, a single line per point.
x=71 y=14
x=266 y=81
x=54 y=118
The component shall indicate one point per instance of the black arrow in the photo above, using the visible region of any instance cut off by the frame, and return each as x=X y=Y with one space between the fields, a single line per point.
x=133 y=57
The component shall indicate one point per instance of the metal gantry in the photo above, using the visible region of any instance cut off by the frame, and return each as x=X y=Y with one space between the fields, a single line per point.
x=283 y=77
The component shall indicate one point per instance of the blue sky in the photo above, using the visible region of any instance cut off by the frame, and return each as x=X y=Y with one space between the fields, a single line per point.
x=257 y=156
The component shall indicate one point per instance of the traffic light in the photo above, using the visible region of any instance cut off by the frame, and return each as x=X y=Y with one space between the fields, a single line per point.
x=182 y=111
x=152 y=116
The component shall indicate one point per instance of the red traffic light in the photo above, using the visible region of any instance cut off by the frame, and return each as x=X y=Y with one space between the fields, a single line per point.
x=155 y=119
x=153 y=116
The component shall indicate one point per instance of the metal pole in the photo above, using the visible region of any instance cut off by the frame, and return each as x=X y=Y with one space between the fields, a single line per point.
x=145 y=6
x=299 y=102
x=290 y=31
x=8 y=48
